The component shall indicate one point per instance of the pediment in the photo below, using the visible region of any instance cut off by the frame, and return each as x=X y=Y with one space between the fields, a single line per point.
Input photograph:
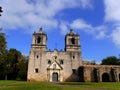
x=55 y=65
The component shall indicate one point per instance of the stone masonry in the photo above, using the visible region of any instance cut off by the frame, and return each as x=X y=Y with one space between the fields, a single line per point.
x=54 y=65
x=60 y=66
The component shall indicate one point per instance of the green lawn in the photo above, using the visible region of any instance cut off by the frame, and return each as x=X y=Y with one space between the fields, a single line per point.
x=22 y=85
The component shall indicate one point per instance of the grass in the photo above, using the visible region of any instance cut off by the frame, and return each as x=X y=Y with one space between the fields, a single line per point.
x=22 y=85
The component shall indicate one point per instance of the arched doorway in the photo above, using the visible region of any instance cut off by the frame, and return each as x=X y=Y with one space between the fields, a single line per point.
x=55 y=77
x=105 y=77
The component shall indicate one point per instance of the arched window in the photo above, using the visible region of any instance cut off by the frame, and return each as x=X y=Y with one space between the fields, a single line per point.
x=72 y=41
x=38 y=40
x=49 y=62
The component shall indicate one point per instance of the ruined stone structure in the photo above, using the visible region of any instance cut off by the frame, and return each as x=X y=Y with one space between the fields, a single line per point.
x=99 y=73
x=60 y=66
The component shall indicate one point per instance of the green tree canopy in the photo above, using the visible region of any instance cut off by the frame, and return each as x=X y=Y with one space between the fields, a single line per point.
x=2 y=43
x=111 y=60
x=13 y=65
x=14 y=58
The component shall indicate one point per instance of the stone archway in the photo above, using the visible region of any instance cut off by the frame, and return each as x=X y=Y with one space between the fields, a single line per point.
x=105 y=77
x=55 y=77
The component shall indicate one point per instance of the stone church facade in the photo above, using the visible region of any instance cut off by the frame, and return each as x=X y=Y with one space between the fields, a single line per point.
x=60 y=66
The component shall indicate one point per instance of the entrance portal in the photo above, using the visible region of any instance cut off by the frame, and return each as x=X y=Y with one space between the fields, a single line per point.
x=105 y=77
x=55 y=77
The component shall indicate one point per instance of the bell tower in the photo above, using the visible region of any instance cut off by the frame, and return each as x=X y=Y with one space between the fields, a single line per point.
x=72 y=42
x=72 y=48
x=39 y=40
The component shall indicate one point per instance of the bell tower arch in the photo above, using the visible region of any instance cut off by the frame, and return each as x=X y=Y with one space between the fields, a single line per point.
x=72 y=42
x=39 y=40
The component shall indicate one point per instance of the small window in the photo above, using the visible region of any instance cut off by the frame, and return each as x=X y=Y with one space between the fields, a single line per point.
x=36 y=70
x=73 y=57
x=37 y=56
x=49 y=62
x=61 y=62
x=72 y=41
x=38 y=40
x=74 y=71
x=55 y=57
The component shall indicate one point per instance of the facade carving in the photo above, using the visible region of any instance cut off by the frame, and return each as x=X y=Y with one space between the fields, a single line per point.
x=60 y=66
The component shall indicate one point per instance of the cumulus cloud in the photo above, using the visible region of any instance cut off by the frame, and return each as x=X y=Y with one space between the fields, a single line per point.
x=112 y=16
x=64 y=27
x=116 y=36
x=98 y=32
x=80 y=24
x=30 y=14
x=112 y=10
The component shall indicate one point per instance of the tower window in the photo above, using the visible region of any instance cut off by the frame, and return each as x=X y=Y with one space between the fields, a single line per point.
x=36 y=70
x=38 y=40
x=49 y=62
x=72 y=41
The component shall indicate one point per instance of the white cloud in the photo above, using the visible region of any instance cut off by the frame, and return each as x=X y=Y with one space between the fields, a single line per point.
x=116 y=37
x=112 y=10
x=64 y=27
x=98 y=32
x=30 y=14
x=112 y=14
x=80 y=24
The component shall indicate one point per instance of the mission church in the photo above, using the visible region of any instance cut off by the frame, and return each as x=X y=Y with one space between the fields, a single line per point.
x=67 y=65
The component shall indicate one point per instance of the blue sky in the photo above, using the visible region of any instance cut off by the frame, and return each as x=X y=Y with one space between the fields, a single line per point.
x=97 y=22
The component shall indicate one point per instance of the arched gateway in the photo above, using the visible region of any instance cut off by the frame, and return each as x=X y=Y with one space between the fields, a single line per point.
x=105 y=77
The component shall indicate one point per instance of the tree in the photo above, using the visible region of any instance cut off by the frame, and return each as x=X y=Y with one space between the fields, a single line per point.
x=3 y=55
x=16 y=65
x=13 y=58
x=2 y=43
x=22 y=69
x=111 y=60
x=13 y=65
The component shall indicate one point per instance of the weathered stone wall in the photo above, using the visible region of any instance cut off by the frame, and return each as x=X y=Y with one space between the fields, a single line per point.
x=99 y=72
x=41 y=63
